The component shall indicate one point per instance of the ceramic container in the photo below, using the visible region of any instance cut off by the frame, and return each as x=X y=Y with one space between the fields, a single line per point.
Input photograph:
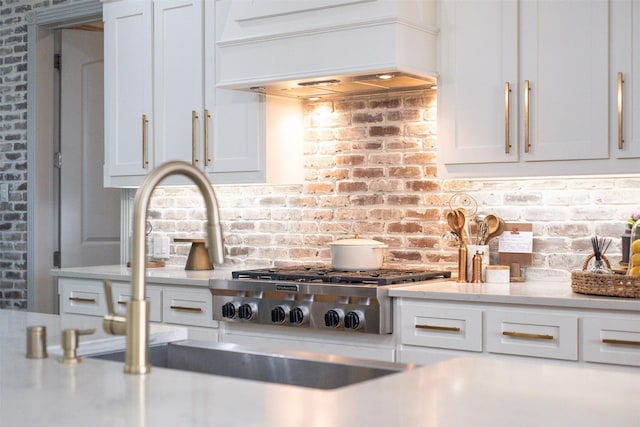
x=357 y=254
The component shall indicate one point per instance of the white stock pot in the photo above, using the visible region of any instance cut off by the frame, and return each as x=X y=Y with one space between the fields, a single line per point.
x=357 y=254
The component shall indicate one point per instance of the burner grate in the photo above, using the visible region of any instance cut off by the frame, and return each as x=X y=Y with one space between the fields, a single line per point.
x=375 y=277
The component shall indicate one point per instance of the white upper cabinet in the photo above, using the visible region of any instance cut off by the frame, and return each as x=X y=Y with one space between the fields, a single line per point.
x=525 y=88
x=128 y=91
x=625 y=79
x=178 y=71
x=478 y=84
x=168 y=51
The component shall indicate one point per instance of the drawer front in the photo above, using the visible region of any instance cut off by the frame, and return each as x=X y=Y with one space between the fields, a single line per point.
x=122 y=293
x=192 y=307
x=611 y=340
x=81 y=296
x=441 y=327
x=549 y=335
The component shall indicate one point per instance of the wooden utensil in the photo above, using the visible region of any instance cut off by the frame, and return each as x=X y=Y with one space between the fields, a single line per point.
x=498 y=230
x=490 y=226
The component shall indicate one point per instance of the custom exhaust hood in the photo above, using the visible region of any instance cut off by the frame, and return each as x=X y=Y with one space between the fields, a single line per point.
x=327 y=48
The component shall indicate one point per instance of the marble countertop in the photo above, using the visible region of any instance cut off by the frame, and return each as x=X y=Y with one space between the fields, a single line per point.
x=549 y=294
x=169 y=275
x=457 y=392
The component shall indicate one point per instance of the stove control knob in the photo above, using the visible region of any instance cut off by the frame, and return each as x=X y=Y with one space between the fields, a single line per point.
x=333 y=318
x=230 y=310
x=299 y=315
x=354 y=320
x=247 y=311
x=279 y=314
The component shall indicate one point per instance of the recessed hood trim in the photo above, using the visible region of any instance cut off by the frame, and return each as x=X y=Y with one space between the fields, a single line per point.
x=345 y=85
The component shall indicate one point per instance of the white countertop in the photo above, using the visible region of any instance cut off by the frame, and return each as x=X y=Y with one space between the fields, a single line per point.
x=549 y=294
x=458 y=392
x=169 y=275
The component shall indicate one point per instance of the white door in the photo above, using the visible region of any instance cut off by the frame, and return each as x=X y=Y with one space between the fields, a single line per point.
x=89 y=213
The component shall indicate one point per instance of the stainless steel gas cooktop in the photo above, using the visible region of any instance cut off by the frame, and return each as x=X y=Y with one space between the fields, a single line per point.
x=313 y=298
x=378 y=277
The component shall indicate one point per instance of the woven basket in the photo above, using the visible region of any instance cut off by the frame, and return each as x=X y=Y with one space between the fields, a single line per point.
x=611 y=285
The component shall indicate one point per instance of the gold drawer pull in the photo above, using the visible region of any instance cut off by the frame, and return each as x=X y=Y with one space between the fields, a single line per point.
x=527 y=135
x=122 y=302
x=183 y=308
x=507 y=123
x=620 y=116
x=624 y=342
x=80 y=299
x=439 y=328
x=527 y=335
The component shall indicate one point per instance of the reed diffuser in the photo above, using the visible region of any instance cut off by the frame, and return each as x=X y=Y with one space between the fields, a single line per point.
x=600 y=246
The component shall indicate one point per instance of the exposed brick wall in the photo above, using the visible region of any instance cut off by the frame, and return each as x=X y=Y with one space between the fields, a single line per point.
x=13 y=152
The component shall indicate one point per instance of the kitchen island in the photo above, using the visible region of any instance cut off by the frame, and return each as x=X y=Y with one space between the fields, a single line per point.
x=457 y=392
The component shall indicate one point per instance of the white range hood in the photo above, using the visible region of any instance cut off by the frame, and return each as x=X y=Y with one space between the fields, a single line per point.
x=320 y=48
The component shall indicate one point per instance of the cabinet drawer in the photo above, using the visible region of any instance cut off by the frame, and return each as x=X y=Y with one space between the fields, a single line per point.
x=193 y=307
x=532 y=334
x=122 y=293
x=442 y=327
x=81 y=296
x=611 y=340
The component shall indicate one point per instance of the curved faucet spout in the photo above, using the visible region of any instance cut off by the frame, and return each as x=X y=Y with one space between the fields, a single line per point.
x=137 y=323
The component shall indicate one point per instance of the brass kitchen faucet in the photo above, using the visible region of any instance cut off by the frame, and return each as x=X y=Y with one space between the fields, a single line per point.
x=136 y=324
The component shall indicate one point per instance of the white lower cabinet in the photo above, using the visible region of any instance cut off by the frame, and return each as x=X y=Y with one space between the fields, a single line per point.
x=613 y=340
x=431 y=331
x=441 y=327
x=188 y=306
x=536 y=334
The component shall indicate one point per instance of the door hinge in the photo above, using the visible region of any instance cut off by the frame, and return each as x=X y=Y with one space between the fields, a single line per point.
x=57 y=159
x=56 y=259
x=57 y=61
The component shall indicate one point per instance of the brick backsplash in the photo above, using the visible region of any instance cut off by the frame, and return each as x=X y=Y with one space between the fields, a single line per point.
x=370 y=168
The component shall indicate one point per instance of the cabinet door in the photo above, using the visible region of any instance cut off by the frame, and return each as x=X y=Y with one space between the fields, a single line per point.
x=564 y=56
x=234 y=121
x=611 y=340
x=625 y=93
x=525 y=333
x=178 y=80
x=478 y=84
x=128 y=90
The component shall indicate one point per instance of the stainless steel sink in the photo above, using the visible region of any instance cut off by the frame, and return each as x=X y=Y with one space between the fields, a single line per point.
x=293 y=368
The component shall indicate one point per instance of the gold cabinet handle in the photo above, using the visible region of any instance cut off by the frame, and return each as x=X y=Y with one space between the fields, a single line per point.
x=80 y=299
x=624 y=342
x=620 y=107
x=507 y=124
x=184 y=308
x=194 y=129
x=122 y=303
x=145 y=125
x=527 y=141
x=439 y=328
x=527 y=335
x=207 y=117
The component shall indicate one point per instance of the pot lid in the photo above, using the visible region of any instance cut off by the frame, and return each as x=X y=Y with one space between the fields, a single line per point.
x=356 y=241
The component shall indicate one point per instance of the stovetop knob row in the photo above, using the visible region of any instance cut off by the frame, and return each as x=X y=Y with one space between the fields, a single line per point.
x=297 y=316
